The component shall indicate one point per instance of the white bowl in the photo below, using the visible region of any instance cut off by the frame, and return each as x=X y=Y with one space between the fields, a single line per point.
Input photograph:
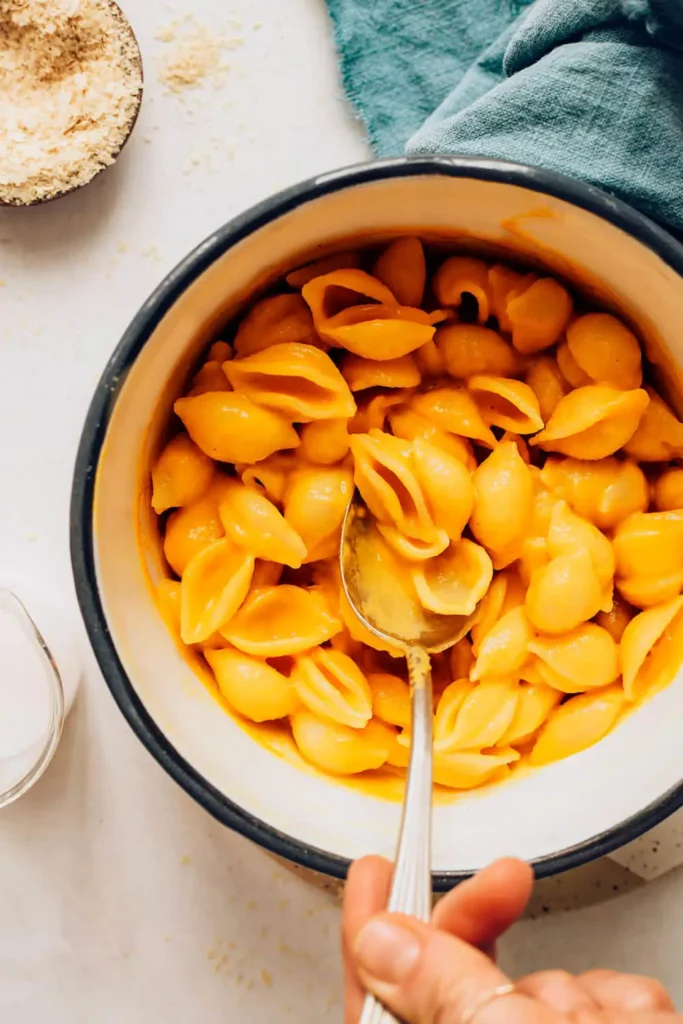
x=556 y=817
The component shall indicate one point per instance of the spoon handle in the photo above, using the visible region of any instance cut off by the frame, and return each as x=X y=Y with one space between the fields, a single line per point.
x=411 y=888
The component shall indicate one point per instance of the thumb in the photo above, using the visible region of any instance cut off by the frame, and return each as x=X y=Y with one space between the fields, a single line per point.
x=425 y=976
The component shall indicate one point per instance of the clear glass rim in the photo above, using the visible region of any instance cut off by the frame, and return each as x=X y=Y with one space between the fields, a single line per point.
x=10 y=602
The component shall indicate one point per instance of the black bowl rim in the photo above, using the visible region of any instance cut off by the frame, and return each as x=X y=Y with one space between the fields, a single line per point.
x=578 y=193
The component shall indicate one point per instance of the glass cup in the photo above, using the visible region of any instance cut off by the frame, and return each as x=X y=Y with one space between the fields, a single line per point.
x=32 y=700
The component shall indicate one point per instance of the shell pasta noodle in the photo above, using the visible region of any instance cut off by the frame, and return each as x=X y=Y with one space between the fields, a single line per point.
x=518 y=460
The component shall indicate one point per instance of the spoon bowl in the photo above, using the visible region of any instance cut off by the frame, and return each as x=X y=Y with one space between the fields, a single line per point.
x=375 y=587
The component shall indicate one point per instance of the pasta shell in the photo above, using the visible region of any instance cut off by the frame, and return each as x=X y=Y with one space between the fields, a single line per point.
x=659 y=436
x=489 y=612
x=459 y=275
x=385 y=476
x=539 y=315
x=298 y=381
x=219 y=352
x=469 y=350
x=546 y=382
x=447 y=711
x=577 y=724
x=315 y=508
x=329 y=293
x=231 y=428
x=455 y=411
x=504 y=284
x=570 y=369
x=447 y=486
x=668 y=490
x=402 y=268
x=429 y=359
x=325 y=265
x=509 y=404
x=282 y=620
x=209 y=378
x=253 y=522
x=251 y=686
x=534 y=704
x=371 y=373
x=534 y=555
x=272 y=476
x=454 y=583
x=505 y=647
x=606 y=351
x=583 y=659
x=412 y=548
x=649 y=544
x=530 y=672
x=168 y=600
x=190 y=530
x=564 y=593
x=616 y=619
x=461 y=659
x=331 y=685
x=325 y=442
x=646 y=591
x=390 y=699
x=372 y=413
x=338 y=749
x=568 y=532
x=605 y=492
x=503 y=504
x=485 y=715
x=181 y=474
x=266 y=574
x=593 y=422
x=467 y=769
x=214 y=585
x=410 y=425
x=277 y=320
x=639 y=644
x=379 y=332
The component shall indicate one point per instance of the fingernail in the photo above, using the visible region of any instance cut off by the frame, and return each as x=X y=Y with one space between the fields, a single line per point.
x=386 y=951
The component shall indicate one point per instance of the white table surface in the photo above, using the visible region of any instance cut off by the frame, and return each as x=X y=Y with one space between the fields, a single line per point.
x=120 y=899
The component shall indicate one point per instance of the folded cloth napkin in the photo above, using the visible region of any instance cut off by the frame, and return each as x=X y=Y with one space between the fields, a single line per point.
x=589 y=88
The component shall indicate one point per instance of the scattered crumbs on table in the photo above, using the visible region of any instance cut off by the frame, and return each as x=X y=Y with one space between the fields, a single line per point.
x=185 y=860
x=122 y=247
x=147 y=139
x=167 y=938
x=263 y=933
x=221 y=964
x=195 y=54
x=252 y=905
x=151 y=253
x=2 y=283
x=266 y=978
x=283 y=904
x=31 y=537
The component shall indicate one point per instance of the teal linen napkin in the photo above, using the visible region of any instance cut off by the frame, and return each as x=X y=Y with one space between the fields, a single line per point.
x=589 y=88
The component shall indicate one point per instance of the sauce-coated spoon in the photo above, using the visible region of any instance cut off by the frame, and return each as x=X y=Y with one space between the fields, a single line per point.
x=378 y=593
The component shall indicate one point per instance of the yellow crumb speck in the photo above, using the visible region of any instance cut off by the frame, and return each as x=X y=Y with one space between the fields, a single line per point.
x=267 y=978
x=185 y=860
x=252 y=905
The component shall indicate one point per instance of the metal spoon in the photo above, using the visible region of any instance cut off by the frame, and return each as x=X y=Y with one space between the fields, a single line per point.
x=376 y=591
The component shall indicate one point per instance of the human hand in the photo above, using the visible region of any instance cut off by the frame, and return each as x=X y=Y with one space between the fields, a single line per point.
x=445 y=972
